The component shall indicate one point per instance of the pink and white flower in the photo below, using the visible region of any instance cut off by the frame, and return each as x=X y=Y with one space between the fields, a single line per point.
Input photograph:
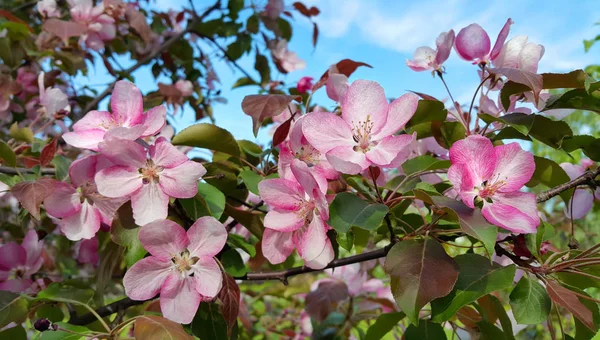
x=185 y=87
x=287 y=60
x=426 y=58
x=19 y=262
x=127 y=120
x=297 y=218
x=495 y=175
x=583 y=198
x=519 y=53
x=182 y=268
x=77 y=208
x=47 y=8
x=365 y=133
x=148 y=177
x=473 y=43
x=100 y=27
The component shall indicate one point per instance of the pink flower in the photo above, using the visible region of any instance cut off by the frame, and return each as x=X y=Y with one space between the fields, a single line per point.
x=297 y=218
x=583 y=199
x=87 y=251
x=19 y=262
x=287 y=60
x=127 y=120
x=426 y=58
x=27 y=79
x=473 y=43
x=520 y=54
x=274 y=9
x=185 y=87
x=47 y=8
x=495 y=175
x=52 y=100
x=364 y=135
x=337 y=84
x=100 y=27
x=77 y=208
x=181 y=267
x=304 y=84
x=150 y=181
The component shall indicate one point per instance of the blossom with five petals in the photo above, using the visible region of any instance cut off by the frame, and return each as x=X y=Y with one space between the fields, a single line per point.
x=19 y=262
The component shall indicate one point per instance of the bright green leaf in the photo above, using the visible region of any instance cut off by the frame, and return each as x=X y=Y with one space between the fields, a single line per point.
x=383 y=325
x=208 y=136
x=426 y=330
x=349 y=210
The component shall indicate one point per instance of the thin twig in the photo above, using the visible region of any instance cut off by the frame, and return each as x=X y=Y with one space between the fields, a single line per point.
x=587 y=178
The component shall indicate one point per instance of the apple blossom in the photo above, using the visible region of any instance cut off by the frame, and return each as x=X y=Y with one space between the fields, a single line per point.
x=78 y=209
x=100 y=27
x=473 y=43
x=185 y=87
x=87 y=251
x=27 y=77
x=495 y=175
x=19 y=262
x=518 y=53
x=181 y=267
x=127 y=120
x=304 y=84
x=364 y=135
x=297 y=218
x=286 y=60
x=47 y=8
x=337 y=84
x=583 y=198
x=426 y=58
x=52 y=100
x=149 y=181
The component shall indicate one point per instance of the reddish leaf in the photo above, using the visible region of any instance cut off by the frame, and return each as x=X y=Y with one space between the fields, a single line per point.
x=64 y=29
x=345 y=67
x=138 y=22
x=469 y=316
x=30 y=161
x=282 y=132
x=313 y=11
x=315 y=34
x=260 y=107
x=31 y=194
x=9 y=16
x=324 y=300
x=230 y=296
x=300 y=7
x=180 y=16
x=520 y=248
x=151 y=327
x=376 y=171
x=532 y=80
x=48 y=152
x=567 y=299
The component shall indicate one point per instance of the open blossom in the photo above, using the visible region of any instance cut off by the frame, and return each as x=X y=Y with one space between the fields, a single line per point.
x=52 y=100
x=148 y=177
x=182 y=267
x=583 y=198
x=100 y=27
x=473 y=43
x=287 y=61
x=127 y=120
x=78 y=209
x=47 y=8
x=495 y=175
x=365 y=133
x=297 y=218
x=304 y=84
x=426 y=58
x=519 y=53
x=19 y=262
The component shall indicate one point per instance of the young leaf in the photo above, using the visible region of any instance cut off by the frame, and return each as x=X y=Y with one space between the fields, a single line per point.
x=323 y=300
x=32 y=194
x=152 y=327
x=565 y=298
x=383 y=325
x=209 y=201
x=230 y=297
x=208 y=136
x=349 y=210
x=260 y=107
x=428 y=111
x=420 y=272
x=13 y=308
x=209 y=324
x=426 y=330
x=7 y=154
x=48 y=152
x=282 y=132
x=345 y=67
x=529 y=301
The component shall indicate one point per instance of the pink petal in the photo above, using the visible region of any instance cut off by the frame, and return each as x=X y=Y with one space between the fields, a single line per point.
x=462 y=178
x=164 y=239
x=12 y=255
x=516 y=211
x=336 y=87
x=284 y=221
x=311 y=241
x=16 y=285
x=122 y=132
x=181 y=181
x=83 y=224
x=513 y=166
x=444 y=43
x=400 y=111
x=107 y=207
x=63 y=201
x=123 y=152
x=208 y=278
x=392 y=150
x=207 y=237
x=281 y=194
x=87 y=139
x=583 y=202
x=33 y=246
x=82 y=170
x=179 y=299
x=418 y=66
x=144 y=279
x=530 y=57
x=118 y=181
x=472 y=43
x=88 y=251
x=364 y=100
x=423 y=59
x=477 y=152
x=321 y=261
x=501 y=38
x=163 y=153
x=572 y=170
x=305 y=178
x=154 y=120
x=149 y=203
x=94 y=120
x=326 y=131
x=347 y=161
x=126 y=103
x=277 y=246
x=509 y=55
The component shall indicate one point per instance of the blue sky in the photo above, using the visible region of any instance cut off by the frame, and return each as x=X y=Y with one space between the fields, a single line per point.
x=385 y=33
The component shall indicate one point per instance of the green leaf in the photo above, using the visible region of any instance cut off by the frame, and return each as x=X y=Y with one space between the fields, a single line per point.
x=124 y=232
x=383 y=325
x=477 y=277
x=424 y=163
x=233 y=264
x=349 y=210
x=23 y=134
x=488 y=331
x=61 y=291
x=548 y=131
x=209 y=324
x=237 y=241
x=209 y=201
x=534 y=241
x=249 y=219
x=239 y=47
x=208 y=136
x=7 y=154
x=224 y=176
x=578 y=99
x=284 y=28
x=262 y=66
x=13 y=308
x=252 y=25
x=448 y=133
x=589 y=145
x=243 y=81
x=420 y=271
x=428 y=111
x=426 y=330
x=61 y=335
x=251 y=179
x=529 y=302
x=550 y=174
x=14 y=333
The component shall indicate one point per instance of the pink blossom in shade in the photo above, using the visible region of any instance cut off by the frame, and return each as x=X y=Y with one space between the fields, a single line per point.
x=297 y=218
x=304 y=84
x=181 y=268
x=148 y=177
x=520 y=54
x=77 y=208
x=19 y=262
x=52 y=100
x=426 y=58
x=473 y=43
x=583 y=198
x=185 y=87
x=274 y=9
x=100 y=27
x=286 y=59
x=28 y=80
x=365 y=133
x=47 y=8
x=127 y=120
x=87 y=251
x=495 y=175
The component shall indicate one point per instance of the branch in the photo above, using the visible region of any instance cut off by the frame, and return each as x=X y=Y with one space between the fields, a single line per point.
x=105 y=311
x=15 y=171
x=94 y=103
x=587 y=178
x=231 y=60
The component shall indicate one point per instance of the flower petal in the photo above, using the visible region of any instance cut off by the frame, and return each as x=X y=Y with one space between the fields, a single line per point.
x=325 y=131
x=392 y=150
x=365 y=99
x=472 y=43
x=336 y=87
x=277 y=246
x=281 y=194
x=123 y=152
x=179 y=299
x=84 y=224
x=284 y=221
x=149 y=203
x=345 y=160
x=107 y=207
x=501 y=38
x=207 y=237
x=530 y=57
x=582 y=203
x=16 y=285
x=400 y=111
x=126 y=103
x=164 y=239
x=87 y=139
x=181 y=181
x=208 y=278
x=144 y=279
x=118 y=181
x=33 y=246
x=94 y=120
x=64 y=200
x=311 y=240
x=514 y=166
x=12 y=255
x=82 y=170
x=154 y=120
x=515 y=211
x=321 y=261
x=461 y=177
x=444 y=43
x=163 y=153
x=572 y=170
x=477 y=153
